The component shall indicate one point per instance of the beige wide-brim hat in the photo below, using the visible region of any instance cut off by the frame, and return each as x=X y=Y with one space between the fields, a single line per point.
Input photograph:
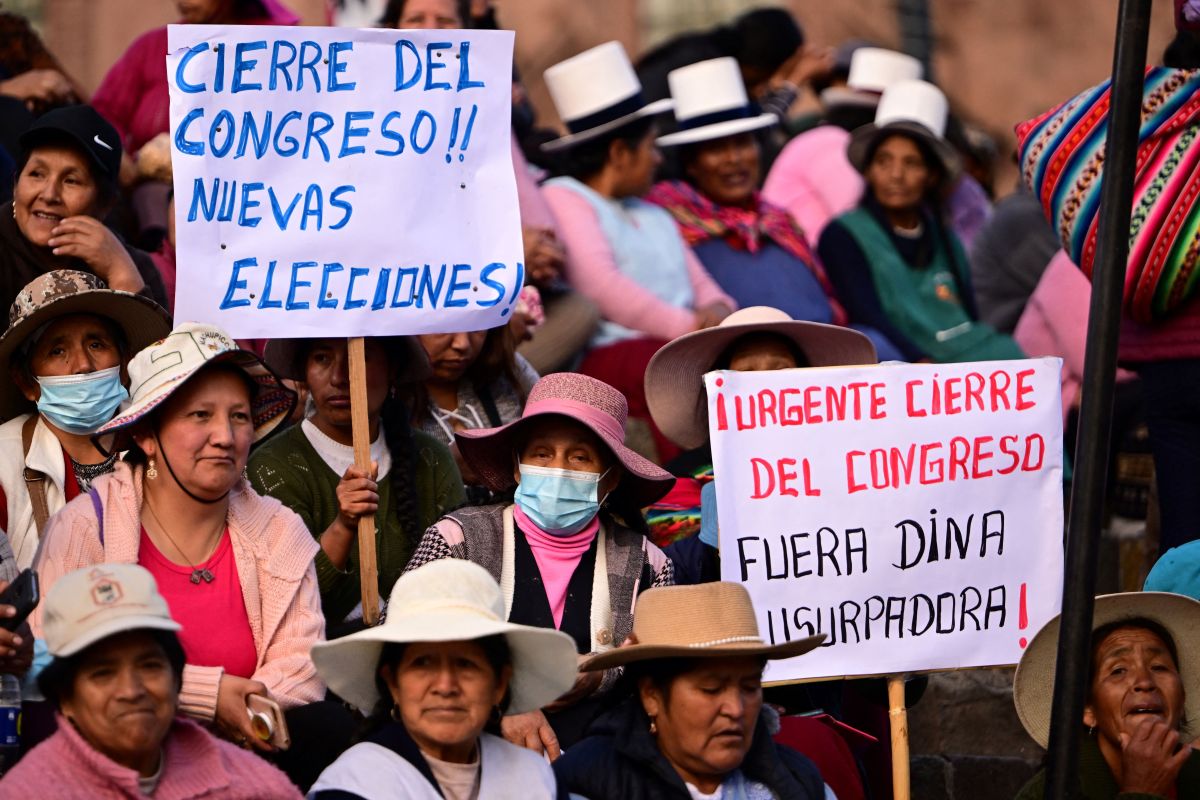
x=450 y=600
x=1033 y=686
x=64 y=292
x=283 y=357
x=707 y=620
x=674 y=377
x=913 y=108
x=160 y=369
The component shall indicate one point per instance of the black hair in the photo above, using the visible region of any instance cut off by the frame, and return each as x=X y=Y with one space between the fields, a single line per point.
x=497 y=359
x=661 y=673
x=1142 y=623
x=726 y=358
x=398 y=435
x=932 y=162
x=677 y=160
x=135 y=455
x=57 y=681
x=495 y=649
x=765 y=38
x=21 y=359
x=1183 y=52
x=108 y=190
x=395 y=9
x=588 y=158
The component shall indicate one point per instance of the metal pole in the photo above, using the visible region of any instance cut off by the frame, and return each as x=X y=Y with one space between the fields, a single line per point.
x=1095 y=413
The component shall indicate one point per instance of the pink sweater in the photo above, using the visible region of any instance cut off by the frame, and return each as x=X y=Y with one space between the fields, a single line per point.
x=813 y=179
x=66 y=767
x=592 y=271
x=1054 y=323
x=274 y=554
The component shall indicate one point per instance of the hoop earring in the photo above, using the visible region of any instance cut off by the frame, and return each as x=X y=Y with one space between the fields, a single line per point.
x=653 y=726
x=151 y=472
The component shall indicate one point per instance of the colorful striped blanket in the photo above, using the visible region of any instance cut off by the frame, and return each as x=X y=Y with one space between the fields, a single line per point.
x=1062 y=161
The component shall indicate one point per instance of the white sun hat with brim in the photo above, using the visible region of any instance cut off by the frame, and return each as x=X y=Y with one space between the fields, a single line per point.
x=872 y=70
x=450 y=600
x=674 y=378
x=915 y=108
x=161 y=368
x=1033 y=686
x=93 y=603
x=711 y=103
x=596 y=92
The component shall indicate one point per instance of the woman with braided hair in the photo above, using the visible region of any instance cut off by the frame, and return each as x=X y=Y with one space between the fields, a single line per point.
x=310 y=467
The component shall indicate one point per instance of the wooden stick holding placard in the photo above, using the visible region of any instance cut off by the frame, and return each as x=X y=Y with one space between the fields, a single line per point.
x=898 y=714
x=367 y=570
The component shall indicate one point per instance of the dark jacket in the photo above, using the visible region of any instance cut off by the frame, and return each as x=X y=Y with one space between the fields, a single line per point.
x=1097 y=782
x=620 y=760
x=21 y=262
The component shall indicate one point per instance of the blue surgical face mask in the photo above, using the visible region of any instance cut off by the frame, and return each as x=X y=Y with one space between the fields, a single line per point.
x=81 y=403
x=559 y=501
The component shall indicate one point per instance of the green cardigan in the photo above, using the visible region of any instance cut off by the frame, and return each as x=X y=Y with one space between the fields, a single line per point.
x=1098 y=783
x=289 y=469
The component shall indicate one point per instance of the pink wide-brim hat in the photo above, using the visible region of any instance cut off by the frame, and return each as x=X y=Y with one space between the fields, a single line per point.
x=590 y=402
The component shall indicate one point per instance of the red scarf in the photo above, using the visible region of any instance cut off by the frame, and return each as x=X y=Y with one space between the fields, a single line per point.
x=700 y=219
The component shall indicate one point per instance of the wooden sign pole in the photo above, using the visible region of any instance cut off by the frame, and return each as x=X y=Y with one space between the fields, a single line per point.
x=367 y=569
x=898 y=714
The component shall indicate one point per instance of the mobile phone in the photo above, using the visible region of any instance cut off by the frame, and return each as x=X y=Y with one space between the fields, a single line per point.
x=267 y=721
x=23 y=595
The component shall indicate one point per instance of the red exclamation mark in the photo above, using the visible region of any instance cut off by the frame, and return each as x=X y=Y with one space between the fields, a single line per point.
x=1023 y=618
x=722 y=420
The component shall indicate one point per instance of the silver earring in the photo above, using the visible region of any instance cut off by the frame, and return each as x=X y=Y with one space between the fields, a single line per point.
x=653 y=726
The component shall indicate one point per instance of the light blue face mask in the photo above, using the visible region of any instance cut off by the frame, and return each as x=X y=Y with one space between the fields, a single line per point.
x=559 y=501
x=81 y=403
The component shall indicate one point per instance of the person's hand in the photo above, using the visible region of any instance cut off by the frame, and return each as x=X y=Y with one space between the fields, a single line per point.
x=805 y=64
x=87 y=239
x=357 y=495
x=711 y=315
x=233 y=716
x=586 y=684
x=544 y=256
x=16 y=647
x=38 y=87
x=1151 y=757
x=531 y=730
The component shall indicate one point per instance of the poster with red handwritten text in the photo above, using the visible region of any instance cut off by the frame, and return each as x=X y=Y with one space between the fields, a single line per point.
x=911 y=513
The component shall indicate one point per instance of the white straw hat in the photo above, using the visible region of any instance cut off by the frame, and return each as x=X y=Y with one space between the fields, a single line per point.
x=450 y=600
x=93 y=603
x=1033 y=685
x=872 y=70
x=596 y=92
x=913 y=107
x=711 y=103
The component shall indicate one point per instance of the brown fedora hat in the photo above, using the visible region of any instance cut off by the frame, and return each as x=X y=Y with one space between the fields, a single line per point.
x=590 y=402
x=708 y=620
x=674 y=385
x=283 y=357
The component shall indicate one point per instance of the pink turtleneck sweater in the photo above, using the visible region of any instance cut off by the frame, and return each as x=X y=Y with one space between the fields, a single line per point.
x=556 y=556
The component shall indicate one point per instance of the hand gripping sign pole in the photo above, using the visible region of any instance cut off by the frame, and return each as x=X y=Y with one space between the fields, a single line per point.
x=367 y=570
x=1095 y=415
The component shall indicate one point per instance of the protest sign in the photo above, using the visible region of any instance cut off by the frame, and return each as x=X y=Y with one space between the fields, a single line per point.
x=911 y=513
x=335 y=182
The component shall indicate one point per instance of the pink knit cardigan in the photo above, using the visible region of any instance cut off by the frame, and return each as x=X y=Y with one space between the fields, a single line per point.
x=66 y=767
x=274 y=554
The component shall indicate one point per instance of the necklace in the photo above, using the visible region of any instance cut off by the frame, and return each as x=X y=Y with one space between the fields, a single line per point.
x=198 y=573
x=86 y=473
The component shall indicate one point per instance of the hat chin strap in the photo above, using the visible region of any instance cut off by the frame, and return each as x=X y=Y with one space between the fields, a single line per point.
x=167 y=463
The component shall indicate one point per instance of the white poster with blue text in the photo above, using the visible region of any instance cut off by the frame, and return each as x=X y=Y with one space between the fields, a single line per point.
x=913 y=514
x=337 y=182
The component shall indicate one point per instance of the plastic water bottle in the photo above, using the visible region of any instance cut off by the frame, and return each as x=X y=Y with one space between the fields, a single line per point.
x=10 y=721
